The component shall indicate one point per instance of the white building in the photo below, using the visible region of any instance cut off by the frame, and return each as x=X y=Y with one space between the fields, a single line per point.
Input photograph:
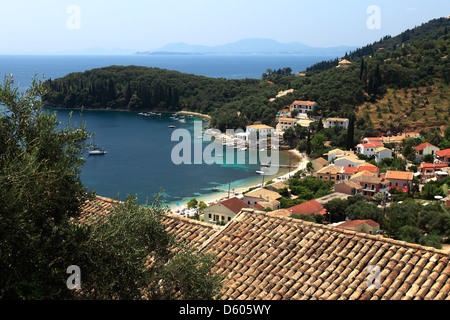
x=336 y=122
x=260 y=129
x=285 y=123
x=382 y=153
x=303 y=107
x=368 y=149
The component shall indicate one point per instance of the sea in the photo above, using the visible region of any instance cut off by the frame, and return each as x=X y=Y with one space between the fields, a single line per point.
x=139 y=159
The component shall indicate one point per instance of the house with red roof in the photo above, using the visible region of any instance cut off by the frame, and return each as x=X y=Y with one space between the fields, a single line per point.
x=399 y=179
x=429 y=171
x=224 y=211
x=372 y=139
x=442 y=156
x=425 y=149
x=368 y=149
x=303 y=107
x=309 y=208
x=366 y=226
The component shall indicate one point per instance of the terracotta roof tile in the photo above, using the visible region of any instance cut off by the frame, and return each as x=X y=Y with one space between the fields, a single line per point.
x=267 y=257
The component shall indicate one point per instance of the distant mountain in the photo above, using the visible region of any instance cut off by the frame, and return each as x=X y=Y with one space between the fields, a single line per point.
x=250 y=46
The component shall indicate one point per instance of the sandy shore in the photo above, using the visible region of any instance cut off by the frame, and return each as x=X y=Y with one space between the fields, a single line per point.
x=200 y=115
x=299 y=160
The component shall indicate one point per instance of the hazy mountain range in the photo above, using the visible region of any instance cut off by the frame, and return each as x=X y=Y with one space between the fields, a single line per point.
x=245 y=46
x=250 y=46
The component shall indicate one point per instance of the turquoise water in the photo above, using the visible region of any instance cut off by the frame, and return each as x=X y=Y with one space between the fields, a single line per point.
x=139 y=148
x=139 y=160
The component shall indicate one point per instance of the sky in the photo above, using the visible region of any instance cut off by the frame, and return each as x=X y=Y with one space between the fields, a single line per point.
x=142 y=25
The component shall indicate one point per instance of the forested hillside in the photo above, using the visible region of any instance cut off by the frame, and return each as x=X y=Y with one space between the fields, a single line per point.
x=137 y=88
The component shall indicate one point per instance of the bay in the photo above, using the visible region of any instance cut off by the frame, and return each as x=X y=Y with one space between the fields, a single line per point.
x=139 y=148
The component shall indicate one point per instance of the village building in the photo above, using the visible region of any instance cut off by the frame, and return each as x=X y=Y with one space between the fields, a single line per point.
x=285 y=123
x=260 y=195
x=309 y=208
x=260 y=129
x=401 y=180
x=365 y=226
x=344 y=63
x=337 y=153
x=348 y=187
x=372 y=140
x=223 y=211
x=283 y=113
x=382 y=153
x=303 y=107
x=442 y=156
x=424 y=149
x=371 y=185
x=428 y=171
x=368 y=149
x=336 y=122
x=318 y=163
x=329 y=173
x=368 y=167
x=351 y=161
x=276 y=186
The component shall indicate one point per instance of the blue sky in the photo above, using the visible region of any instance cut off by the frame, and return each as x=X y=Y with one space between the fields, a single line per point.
x=42 y=25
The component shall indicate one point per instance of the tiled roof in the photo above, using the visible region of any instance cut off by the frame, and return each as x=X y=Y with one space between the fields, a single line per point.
x=309 y=208
x=278 y=185
x=369 y=139
x=234 y=204
x=399 y=175
x=371 y=145
x=331 y=169
x=304 y=103
x=196 y=232
x=263 y=194
x=259 y=126
x=443 y=153
x=274 y=258
x=368 y=167
x=321 y=161
x=433 y=165
x=354 y=223
x=269 y=256
x=423 y=146
x=351 y=184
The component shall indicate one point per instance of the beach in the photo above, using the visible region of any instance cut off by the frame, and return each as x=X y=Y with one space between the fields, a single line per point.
x=299 y=161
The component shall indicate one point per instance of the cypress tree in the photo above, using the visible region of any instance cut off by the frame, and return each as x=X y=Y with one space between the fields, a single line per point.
x=351 y=132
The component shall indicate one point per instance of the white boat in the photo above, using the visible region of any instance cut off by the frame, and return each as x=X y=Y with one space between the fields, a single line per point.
x=260 y=172
x=97 y=151
x=242 y=149
x=171 y=126
x=182 y=120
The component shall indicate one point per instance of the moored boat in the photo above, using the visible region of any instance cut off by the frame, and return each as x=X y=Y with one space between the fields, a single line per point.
x=97 y=151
